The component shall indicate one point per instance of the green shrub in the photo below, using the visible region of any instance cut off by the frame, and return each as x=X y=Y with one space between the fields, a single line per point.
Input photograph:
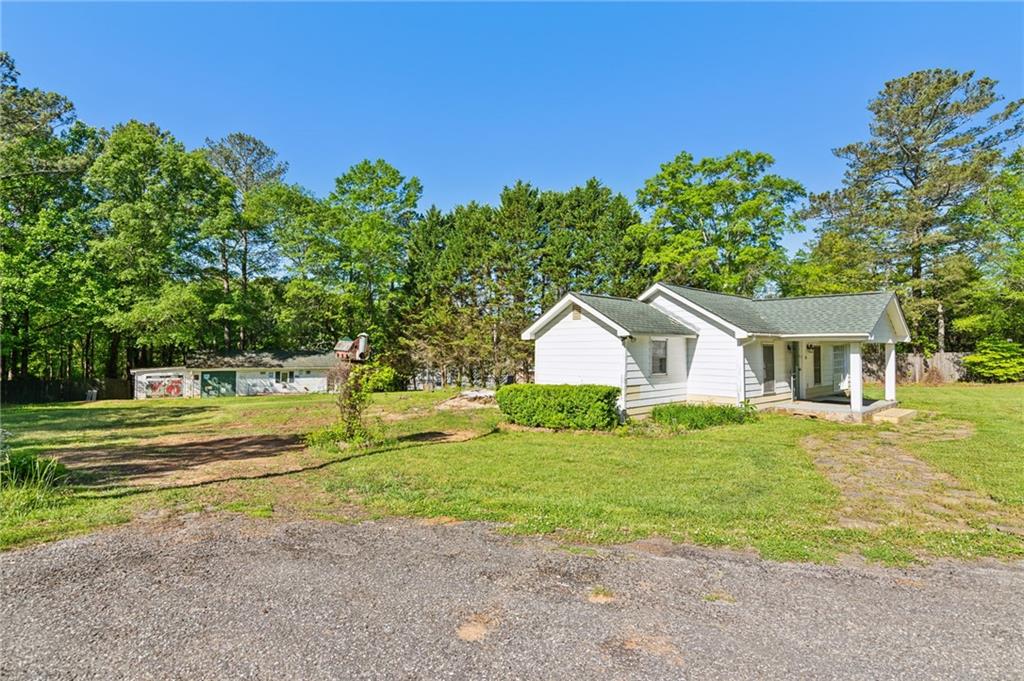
x=28 y=482
x=382 y=378
x=996 y=360
x=22 y=469
x=698 y=416
x=584 y=407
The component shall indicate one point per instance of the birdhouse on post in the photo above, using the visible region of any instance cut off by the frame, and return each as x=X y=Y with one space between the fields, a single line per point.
x=358 y=350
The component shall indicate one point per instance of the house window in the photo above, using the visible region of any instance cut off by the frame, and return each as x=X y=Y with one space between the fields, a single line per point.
x=817 y=365
x=284 y=376
x=659 y=356
x=768 y=356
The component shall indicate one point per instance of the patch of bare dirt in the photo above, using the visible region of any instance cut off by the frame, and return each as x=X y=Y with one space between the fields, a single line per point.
x=464 y=401
x=883 y=484
x=434 y=436
x=476 y=627
x=171 y=461
x=643 y=644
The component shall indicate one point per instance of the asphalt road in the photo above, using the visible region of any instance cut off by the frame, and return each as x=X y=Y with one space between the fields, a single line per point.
x=222 y=596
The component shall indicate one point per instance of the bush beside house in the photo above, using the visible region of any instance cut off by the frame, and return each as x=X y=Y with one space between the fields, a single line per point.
x=699 y=416
x=583 y=407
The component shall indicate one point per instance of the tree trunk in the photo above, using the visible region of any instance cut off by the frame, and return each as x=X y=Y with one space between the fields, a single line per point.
x=113 y=352
x=245 y=284
x=25 y=343
x=941 y=344
x=226 y=280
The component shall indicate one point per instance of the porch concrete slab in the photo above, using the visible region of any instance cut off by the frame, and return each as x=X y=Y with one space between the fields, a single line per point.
x=894 y=415
x=832 y=409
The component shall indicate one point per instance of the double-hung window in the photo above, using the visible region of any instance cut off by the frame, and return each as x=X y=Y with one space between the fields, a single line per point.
x=659 y=357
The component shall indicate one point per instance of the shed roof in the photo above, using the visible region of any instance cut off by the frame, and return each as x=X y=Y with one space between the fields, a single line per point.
x=846 y=313
x=271 y=359
x=634 y=316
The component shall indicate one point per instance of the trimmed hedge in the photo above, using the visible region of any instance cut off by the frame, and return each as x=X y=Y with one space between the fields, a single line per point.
x=583 y=407
x=698 y=416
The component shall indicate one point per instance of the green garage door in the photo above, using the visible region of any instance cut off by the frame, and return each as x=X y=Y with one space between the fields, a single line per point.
x=218 y=384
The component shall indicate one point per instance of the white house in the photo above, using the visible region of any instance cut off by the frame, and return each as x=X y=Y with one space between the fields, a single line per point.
x=250 y=373
x=679 y=344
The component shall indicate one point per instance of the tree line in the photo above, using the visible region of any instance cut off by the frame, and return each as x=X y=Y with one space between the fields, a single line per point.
x=122 y=248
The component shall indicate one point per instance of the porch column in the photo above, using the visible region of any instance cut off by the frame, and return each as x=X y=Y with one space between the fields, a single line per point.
x=856 y=380
x=890 y=371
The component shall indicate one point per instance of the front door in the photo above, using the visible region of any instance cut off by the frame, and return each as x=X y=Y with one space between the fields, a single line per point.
x=218 y=384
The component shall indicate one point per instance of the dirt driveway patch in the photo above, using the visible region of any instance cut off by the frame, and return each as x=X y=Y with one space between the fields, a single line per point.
x=883 y=484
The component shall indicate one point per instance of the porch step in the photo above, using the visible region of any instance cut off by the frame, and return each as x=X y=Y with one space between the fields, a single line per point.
x=894 y=415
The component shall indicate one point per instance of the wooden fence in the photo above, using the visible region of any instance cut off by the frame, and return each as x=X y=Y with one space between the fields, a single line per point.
x=944 y=367
x=28 y=390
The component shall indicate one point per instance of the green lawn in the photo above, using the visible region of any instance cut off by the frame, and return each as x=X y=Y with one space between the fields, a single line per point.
x=744 y=486
x=992 y=460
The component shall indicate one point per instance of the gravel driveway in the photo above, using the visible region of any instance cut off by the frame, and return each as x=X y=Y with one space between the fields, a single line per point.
x=217 y=596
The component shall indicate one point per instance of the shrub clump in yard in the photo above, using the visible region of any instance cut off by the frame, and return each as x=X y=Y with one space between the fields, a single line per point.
x=582 y=407
x=997 y=360
x=28 y=481
x=698 y=416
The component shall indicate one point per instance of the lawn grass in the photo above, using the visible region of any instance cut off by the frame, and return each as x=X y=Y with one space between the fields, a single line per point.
x=742 y=486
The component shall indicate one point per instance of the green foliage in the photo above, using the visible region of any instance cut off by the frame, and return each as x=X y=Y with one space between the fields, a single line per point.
x=700 y=416
x=717 y=223
x=354 y=383
x=997 y=360
x=382 y=378
x=900 y=219
x=582 y=407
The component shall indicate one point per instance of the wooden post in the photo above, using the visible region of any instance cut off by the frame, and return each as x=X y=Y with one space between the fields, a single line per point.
x=856 y=379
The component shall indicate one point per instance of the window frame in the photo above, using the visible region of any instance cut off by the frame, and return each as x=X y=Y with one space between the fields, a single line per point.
x=285 y=377
x=663 y=357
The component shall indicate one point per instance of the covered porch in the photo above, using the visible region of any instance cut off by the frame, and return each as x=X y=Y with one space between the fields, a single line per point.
x=827 y=375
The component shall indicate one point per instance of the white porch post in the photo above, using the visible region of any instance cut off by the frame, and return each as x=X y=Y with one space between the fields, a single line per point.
x=856 y=379
x=890 y=371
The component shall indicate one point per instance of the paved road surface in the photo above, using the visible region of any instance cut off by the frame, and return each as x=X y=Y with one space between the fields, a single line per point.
x=222 y=596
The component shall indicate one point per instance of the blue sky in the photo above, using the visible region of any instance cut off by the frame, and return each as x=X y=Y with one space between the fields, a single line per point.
x=471 y=97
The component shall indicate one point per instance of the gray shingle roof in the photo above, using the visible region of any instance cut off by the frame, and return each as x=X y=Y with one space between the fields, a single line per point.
x=635 y=316
x=850 y=313
x=263 y=360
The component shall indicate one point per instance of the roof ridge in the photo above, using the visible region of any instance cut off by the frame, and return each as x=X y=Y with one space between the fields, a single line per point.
x=601 y=295
x=823 y=295
x=704 y=290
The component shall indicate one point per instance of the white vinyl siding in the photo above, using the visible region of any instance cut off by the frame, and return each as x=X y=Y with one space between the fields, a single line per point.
x=578 y=351
x=266 y=382
x=753 y=372
x=644 y=388
x=712 y=359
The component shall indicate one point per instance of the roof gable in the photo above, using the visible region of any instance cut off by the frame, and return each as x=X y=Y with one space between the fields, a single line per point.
x=636 y=317
x=625 y=316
